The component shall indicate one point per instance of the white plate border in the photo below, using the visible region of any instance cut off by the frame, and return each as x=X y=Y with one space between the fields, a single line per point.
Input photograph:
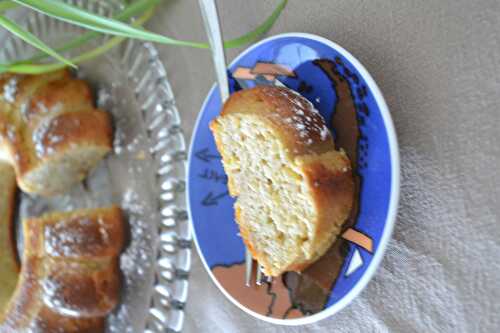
x=393 y=200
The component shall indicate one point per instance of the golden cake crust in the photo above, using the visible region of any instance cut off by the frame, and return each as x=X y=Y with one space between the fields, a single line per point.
x=286 y=111
x=83 y=235
x=49 y=125
x=307 y=142
x=51 y=136
x=71 y=281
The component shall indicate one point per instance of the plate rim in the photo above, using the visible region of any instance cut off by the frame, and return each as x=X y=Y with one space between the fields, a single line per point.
x=394 y=194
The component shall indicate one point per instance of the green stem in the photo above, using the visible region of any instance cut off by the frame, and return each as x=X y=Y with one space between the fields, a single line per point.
x=27 y=67
x=130 y=11
x=77 y=16
x=28 y=37
x=40 y=69
x=6 y=5
x=259 y=31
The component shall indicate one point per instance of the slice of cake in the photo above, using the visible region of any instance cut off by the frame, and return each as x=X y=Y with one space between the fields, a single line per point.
x=294 y=189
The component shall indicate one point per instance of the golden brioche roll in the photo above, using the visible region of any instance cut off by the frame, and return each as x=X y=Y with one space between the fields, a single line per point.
x=50 y=131
x=70 y=272
x=87 y=234
x=81 y=289
x=9 y=265
x=50 y=322
x=294 y=189
x=27 y=311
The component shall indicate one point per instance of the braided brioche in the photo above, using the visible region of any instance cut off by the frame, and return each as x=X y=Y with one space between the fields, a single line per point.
x=50 y=137
x=50 y=130
x=69 y=279
x=294 y=189
x=9 y=266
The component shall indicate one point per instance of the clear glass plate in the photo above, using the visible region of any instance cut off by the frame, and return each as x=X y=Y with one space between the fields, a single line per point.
x=145 y=174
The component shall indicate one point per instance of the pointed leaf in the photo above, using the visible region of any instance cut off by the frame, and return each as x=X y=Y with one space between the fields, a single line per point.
x=31 y=39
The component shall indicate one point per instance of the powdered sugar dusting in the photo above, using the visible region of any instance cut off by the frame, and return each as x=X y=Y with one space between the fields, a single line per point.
x=76 y=237
x=11 y=133
x=324 y=133
x=44 y=136
x=132 y=203
x=300 y=126
x=10 y=90
x=118 y=141
x=54 y=297
x=24 y=108
x=39 y=135
x=140 y=250
x=306 y=119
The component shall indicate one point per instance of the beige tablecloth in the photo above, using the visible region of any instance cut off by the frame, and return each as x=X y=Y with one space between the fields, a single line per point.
x=438 y=65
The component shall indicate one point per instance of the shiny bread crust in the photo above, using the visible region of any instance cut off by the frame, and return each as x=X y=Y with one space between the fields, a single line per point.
x=9 y=264
x=45 y=117
x=326 y=171
x=70 y=276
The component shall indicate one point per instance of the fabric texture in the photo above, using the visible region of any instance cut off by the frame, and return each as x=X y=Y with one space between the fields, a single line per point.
x=438 y=66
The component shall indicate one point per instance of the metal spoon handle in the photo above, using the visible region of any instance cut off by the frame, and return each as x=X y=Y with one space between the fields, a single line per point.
x=212 y=27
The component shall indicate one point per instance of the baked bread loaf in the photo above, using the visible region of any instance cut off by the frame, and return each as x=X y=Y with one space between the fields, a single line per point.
x=9 y=265
x=294 y=189
x=51 y=135
x=69 y=278
x=50 y=130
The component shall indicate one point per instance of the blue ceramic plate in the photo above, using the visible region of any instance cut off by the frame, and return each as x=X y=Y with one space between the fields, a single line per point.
x=354 y=109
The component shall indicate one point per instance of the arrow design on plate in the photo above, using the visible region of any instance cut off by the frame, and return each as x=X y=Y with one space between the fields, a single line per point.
x=205 y=155
x=213 y=200
x=355 y=263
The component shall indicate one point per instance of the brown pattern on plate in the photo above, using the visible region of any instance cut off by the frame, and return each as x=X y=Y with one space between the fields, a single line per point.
x=294 y=295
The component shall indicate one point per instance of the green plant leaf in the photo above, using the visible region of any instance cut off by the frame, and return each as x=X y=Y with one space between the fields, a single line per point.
x=6 y=5
x=77 y=16
x=80 y=17
x=259 y=31
x=29 y=68
x=137 y=7
x=31 y=39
